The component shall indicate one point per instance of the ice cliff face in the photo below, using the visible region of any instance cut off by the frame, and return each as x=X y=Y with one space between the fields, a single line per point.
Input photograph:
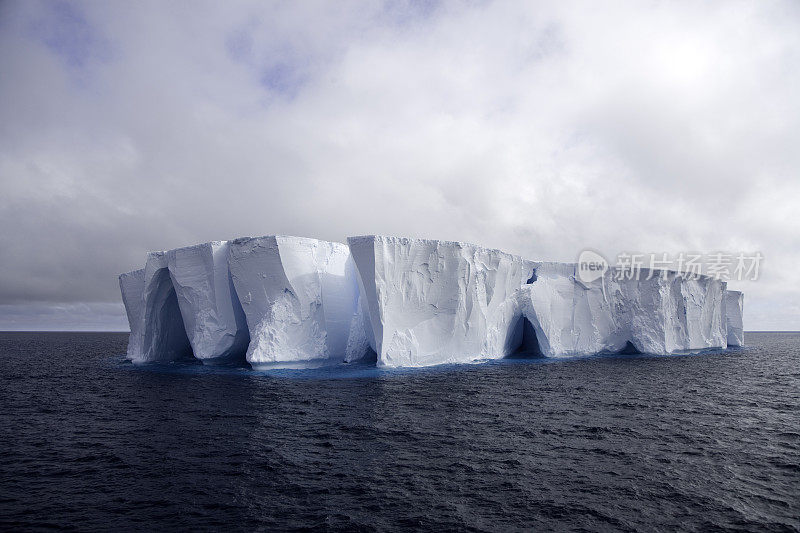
x=432 y=302
x=566 y=316
x=734 y=307
x=212 y=315
x=289 y=301
x=299 y=296
x=668 y=313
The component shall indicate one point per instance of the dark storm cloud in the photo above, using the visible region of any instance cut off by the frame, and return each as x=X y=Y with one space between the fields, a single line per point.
x=538 y=128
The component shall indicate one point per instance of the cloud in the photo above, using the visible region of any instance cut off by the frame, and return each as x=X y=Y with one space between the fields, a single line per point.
x=539 y=128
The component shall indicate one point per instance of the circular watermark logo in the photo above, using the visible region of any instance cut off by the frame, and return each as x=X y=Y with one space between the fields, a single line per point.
x=591 y=266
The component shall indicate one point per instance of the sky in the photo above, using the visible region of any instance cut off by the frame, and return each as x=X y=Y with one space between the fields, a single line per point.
x=540 y=128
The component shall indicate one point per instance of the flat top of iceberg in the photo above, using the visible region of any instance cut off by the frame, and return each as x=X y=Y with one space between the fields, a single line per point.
x=409 y=240
x=137 y=272
x=197 y=246
x=277 y=236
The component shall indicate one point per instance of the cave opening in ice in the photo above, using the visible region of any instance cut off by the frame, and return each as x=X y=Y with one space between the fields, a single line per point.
x=165 y=337
x=370 y=357
x=525 y=340
x=629 y=349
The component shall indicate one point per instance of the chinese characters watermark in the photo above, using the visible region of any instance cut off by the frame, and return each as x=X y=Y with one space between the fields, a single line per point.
x=723 y=266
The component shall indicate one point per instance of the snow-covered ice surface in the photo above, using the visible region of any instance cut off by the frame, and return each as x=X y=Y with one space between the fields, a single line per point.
x=212 y=315
x=299 y=296
x=665 y=314
x=734 y=307
x=433 y=302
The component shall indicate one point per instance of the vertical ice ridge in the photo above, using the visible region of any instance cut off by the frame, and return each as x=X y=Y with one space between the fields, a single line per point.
x=734 y=308
x=131 y=286
x=211 y=312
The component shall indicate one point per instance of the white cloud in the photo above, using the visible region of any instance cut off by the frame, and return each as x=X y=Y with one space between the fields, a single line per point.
x=538 y=128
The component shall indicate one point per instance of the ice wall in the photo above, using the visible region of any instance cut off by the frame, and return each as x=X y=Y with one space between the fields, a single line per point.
x=568 y=316
x=659 y=312
x=431 y=302
x=299 y=296
x=212 y=315
x=734 y=308
x=406 y=302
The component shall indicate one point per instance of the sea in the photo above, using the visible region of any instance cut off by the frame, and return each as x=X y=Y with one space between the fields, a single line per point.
x=707 y=442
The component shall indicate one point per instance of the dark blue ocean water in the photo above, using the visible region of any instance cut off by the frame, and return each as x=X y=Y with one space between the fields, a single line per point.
x=709 y=442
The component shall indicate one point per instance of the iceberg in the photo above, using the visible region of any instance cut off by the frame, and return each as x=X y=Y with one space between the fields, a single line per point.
x=734 y=307
x=212 y=315
x=430 y=302
x=299 y=296
x=279 y=301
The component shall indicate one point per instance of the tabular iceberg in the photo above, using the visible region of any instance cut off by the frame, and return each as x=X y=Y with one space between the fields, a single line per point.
x=433 y=302
x=212 y=315
x=734 y=306
x=297 y=302
x=299 y=296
